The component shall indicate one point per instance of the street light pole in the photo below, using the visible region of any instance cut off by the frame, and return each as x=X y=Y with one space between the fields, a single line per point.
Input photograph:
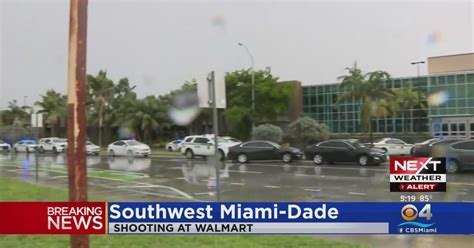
x=417 y=63
x=253 y=74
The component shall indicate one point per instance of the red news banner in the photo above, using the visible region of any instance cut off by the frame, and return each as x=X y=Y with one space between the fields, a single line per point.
x=53 y=217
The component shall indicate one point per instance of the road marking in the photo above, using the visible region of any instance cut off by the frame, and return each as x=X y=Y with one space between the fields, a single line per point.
x=157 y=186
x=312 y=190
x=57 y=177
x=136 y=186
x=181 y=178
x=333 y=177
x=322 y=167
x=204 y=193
x=356 y=193
x=468 y=184
x=271 y=187
x=245 y=172
x=241 y=184
x=222 y=170
x=188 y=197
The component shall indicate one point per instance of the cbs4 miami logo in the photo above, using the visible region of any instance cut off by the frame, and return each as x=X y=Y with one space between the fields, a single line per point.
x=416 y=220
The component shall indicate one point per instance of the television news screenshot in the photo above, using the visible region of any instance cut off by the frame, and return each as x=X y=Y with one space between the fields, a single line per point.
x=210 y=123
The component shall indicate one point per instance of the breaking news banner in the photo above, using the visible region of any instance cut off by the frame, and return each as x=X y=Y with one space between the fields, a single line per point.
x=235 y=218
x=417 y=174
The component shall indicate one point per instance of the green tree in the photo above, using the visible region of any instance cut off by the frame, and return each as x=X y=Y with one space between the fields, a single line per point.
x=268 y=132
x=101 y=92
x=123 y=95
x=271 y=100
x=53 y=105
x=144 y=116
x=365 y=88
x=15 y=115
x=306 y=129
x=405 y=99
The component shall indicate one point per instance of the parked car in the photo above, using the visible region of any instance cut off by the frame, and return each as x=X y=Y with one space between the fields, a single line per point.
x=54 y=144
x=345 y=150
x=25 y=146
x=422 y=149
x=4 y=146
x=128 y=148
x=174 y=145
x=432 y=147
x=203 y=145
x=92 y=149
x=460 y=156
x=394 y=146
x=263 y=150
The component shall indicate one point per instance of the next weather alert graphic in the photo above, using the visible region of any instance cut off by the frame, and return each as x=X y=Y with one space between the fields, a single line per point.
x=423 y=174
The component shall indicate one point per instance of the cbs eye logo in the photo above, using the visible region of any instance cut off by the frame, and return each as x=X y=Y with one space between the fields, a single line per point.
x=410 y=212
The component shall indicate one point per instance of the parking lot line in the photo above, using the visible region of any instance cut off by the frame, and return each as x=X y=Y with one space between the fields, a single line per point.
x=346 y=178
x=271 y=186
x=356 y=193
x=185 y=195
x=322 y=167
x=456 y=183
x=312 y=190
x=203 y=193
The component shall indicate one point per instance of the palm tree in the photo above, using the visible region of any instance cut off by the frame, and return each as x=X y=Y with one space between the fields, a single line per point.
x=101 y=90
x=405 y=99
x=53 y=104
x=366 y=88
x=143 y=116
x=19 y=114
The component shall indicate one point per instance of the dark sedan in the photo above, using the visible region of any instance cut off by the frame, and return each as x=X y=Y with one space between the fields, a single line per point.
x=349 y=150
x=460 y=156
x=432 y=147
x=263 y=150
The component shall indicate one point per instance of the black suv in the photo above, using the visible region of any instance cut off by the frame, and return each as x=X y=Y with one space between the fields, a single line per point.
x=348 y=150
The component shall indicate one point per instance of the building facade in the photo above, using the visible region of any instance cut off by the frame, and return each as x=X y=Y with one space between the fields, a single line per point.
x=450 y=112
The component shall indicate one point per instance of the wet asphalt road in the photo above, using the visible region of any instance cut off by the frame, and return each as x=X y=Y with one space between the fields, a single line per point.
x=179 y=179
x=163 y=177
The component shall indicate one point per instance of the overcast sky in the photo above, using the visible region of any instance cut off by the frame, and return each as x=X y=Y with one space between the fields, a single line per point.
x=160 y=44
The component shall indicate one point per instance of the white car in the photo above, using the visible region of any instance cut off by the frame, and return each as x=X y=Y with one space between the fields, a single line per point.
x=394 y=146
x=174 y=146
x=203 y=145
x=128 y=148
x=231 y=139
x=55 y=145
x=4 y=146
x=92 y=149
x=25 y=146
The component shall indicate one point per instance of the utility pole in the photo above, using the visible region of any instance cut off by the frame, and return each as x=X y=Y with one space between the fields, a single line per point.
x=215 y=124
x=76 y=110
